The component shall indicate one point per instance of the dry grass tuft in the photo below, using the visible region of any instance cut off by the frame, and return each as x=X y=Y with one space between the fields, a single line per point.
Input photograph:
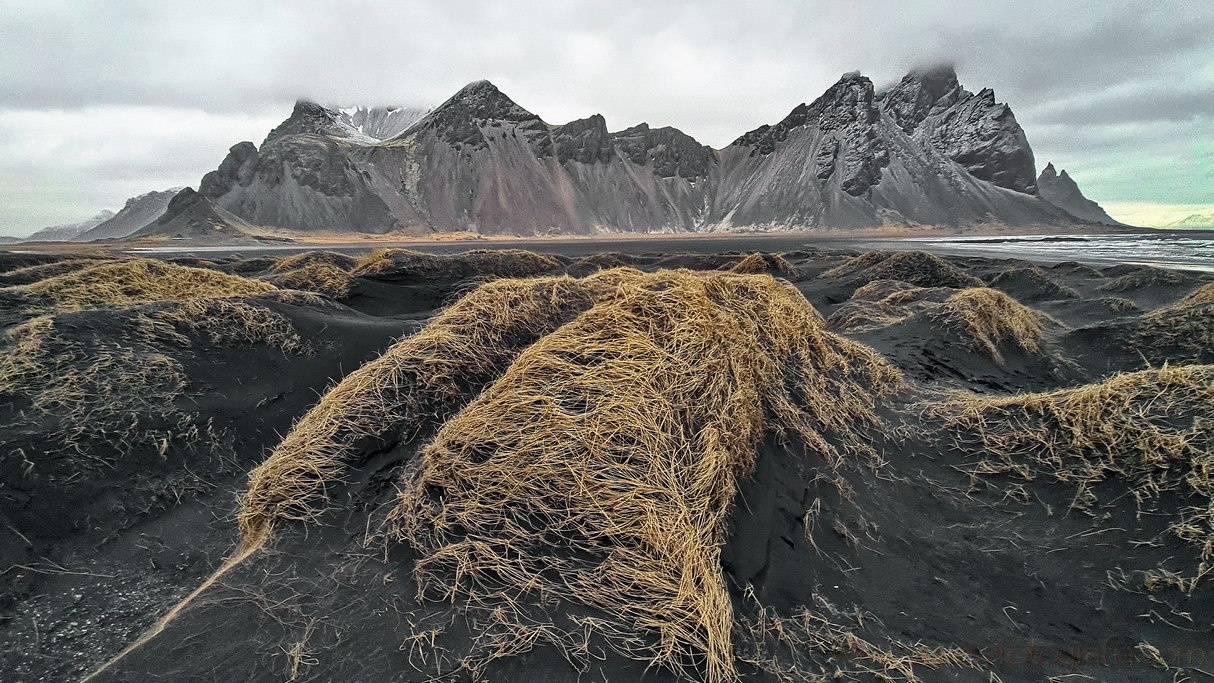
x=1153 y=428
x=407 y=264
x=784 y=648
x=138 y=281
x=878 y=290
x=607 y=260
x=320 y=278
x=916 y=267
x=757 y=263
x=420 y=379
x=333 y=259
x=868 y=316
x=1185 y=330
x=1031 y=283
x=991 y=318
x=42 y=271
x=91 y=376
x=1143 y=278
x=1119 y=305
x=600 y=468
x=987 y=317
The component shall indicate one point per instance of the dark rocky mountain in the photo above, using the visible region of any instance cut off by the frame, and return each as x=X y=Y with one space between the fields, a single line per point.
x=923 y=152
x=69 y=231
x=358 y=124
x=1061 y=191
x=138 y=212
x=190 y=215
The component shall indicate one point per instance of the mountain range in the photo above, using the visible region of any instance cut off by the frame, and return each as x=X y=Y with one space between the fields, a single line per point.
x=923 y=152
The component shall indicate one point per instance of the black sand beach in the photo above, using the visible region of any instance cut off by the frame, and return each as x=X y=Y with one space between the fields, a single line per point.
x=628 y=460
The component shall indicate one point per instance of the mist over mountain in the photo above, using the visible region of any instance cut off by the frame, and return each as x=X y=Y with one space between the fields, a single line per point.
x=924 y=152
x=135 y=214
x=69 y=231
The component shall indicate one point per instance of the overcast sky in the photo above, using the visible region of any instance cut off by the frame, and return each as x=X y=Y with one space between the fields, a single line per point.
x=100 y=101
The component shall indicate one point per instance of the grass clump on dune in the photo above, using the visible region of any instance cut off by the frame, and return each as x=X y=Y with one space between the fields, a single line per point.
x=41 y=271
x=94 y=373
x=988 y=318
x=992 y=318
x=1143 y=277
x=1184 y=330
x=1154 y=429
x=320 y=278
x=1031 y=283
x=916 y=267
x=407 y=264
x=308 y=258
x=421 y=378
x=138 y=281
x=601 y=467
x=757 y=263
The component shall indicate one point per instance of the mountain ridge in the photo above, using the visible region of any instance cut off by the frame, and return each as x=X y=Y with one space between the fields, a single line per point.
x=924 y=152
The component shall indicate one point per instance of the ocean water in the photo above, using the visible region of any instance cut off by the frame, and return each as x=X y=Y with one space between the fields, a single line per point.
x=1184 y=251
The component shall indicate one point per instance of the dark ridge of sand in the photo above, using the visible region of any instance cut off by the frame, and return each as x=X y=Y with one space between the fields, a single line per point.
x=96 y=544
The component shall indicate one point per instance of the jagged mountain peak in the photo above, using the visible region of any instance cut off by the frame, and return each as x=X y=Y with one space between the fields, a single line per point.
x=482 y=100
x=367 y=125
x=922 y=93
x=1059 y=189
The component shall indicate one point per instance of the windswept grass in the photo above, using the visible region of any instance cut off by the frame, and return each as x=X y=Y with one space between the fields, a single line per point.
x=1153 y=429
x=991 y=319
x=419 y=380
x=1185 y=330
x=988 y=318
x=105 y=373
x=42 y=271
x=1031 y=283
x=408 y=264
x=916 y=267
x=757 y=263
x=130 y=283
x=599 y=469
x=1142 y=278
x=317 y=277
x=333 y=259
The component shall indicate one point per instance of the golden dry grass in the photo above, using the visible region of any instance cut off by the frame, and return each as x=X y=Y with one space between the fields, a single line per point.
x=600 y=468
x=1153 y=428
x=1031 y=282
x=133 y=282
x=329 y=258
x=764 y=263
x=916 y=267
x=320 y=278
x=878 y=290
x=94 y=381
x=406 y=263
x=1143 y=278
x=1185 y=330
x=41 y=271
x=991 y=319
x=421 y=378
x=987 y=317
x=783 y=647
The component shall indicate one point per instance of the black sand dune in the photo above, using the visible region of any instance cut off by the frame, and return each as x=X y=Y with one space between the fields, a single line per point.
x=810 y=466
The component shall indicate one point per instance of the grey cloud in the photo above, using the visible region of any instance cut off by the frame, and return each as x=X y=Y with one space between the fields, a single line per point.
x=712 y=68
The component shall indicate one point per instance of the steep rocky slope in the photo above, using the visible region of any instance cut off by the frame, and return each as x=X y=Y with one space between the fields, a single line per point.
x=190 y=215
x=925 y=151
x=138 y=212
x=69 y=231
x=1060 y=190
